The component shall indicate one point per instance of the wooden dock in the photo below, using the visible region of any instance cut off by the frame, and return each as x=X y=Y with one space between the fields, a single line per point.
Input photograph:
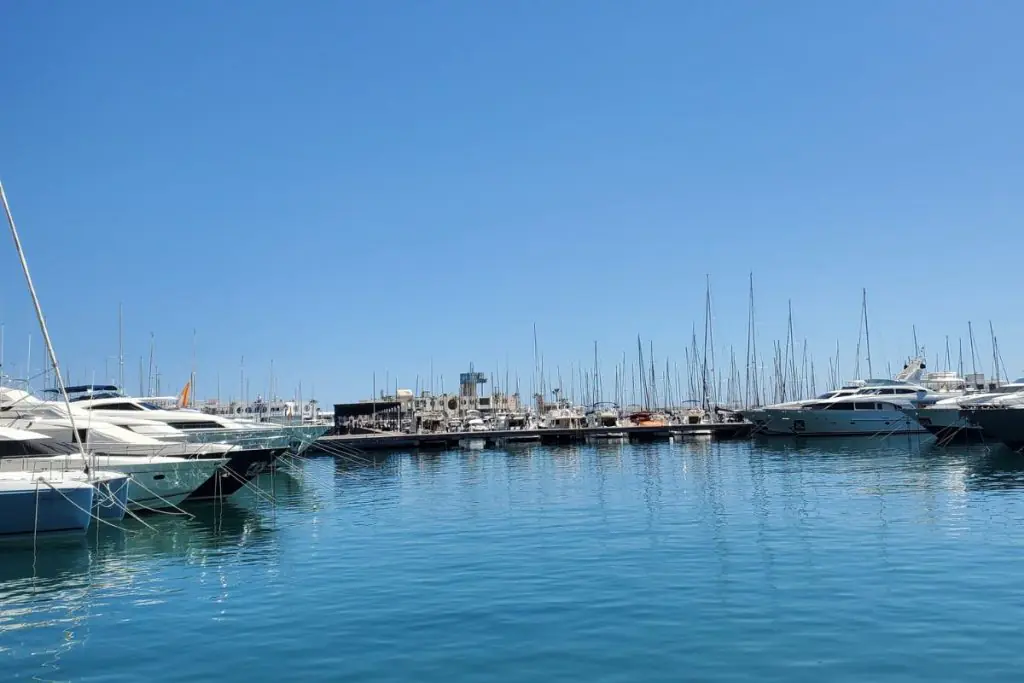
x=393 y=441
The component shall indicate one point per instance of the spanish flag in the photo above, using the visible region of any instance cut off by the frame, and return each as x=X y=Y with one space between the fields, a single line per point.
x=184 y=395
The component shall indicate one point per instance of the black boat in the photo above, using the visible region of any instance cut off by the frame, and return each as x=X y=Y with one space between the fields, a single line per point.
x=242 y=467
x=1001 y=425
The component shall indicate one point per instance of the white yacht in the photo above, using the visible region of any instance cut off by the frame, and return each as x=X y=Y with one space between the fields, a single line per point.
x=564 y=417
x=256 y=446
x=858 y=414
x=196 y=426
x=911 y=372
x=162 y=473
x=912 y=383
x=603 y=415
x=116 y=434
x=154 y=482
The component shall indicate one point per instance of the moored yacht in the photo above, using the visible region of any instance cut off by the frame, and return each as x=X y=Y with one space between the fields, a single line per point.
x=40 y=503
x=563 y=417
x=948 y=419
x=1003 y=425
x=845 y=416
x=911 y=382
x=257 y=445
x=152 y=482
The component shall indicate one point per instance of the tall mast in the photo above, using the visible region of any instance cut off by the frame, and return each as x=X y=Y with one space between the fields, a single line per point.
x=76 y=437
x=120 y=347
x=867 y=332
x=149 y=384
x=970 y=333
x=751 y=392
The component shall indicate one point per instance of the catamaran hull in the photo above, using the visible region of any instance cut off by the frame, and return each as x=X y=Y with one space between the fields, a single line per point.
x=241 y=468
x=40 y=509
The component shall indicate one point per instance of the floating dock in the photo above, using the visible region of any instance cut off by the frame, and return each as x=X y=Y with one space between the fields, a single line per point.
x=392 y=441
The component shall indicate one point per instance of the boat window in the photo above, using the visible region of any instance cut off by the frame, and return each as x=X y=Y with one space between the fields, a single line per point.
x=840 y=406
x=888 y=392
x=196 y=424
x=116 y=406
x=864 y=405
x=906 y=391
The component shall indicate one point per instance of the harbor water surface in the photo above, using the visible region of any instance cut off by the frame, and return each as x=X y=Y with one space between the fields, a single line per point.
x=817 y=560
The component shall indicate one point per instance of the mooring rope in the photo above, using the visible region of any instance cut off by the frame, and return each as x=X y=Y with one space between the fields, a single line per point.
x=245 y=484
x=177 y=511
x=81 y=509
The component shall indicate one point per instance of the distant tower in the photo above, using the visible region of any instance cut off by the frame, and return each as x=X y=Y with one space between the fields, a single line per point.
x=469 y=383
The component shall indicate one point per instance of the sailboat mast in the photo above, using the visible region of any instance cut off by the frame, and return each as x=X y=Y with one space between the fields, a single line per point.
x=970 y=334
x=867 y=332
x=76 y=436
x=120 y=347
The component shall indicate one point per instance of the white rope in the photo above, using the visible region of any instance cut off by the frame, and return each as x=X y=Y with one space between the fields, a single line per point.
x=108 y=494
x=138 y=519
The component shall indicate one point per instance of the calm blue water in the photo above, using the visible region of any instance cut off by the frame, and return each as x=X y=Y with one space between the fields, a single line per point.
x=861 y=560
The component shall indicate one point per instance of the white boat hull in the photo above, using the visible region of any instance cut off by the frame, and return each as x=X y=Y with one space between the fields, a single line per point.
x=154 y=483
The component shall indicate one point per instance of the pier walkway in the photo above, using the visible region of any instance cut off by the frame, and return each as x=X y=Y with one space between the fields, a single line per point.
x=398 y=441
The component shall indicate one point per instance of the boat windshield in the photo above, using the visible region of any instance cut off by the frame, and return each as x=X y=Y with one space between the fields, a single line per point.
x=36 y=447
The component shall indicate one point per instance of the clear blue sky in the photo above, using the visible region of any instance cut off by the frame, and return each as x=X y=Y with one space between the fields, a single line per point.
x=343 y=187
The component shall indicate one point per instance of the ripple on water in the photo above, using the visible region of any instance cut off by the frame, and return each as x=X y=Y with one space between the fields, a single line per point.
x=882 y=560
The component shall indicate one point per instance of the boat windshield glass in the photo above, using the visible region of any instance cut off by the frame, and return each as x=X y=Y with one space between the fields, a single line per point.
x=149 y=406
x=35 y=447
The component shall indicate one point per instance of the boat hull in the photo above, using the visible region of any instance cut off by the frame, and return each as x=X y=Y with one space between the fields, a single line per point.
x=110 y=500
x=241 y=468
x=1003 y=425
x=948 y=425
x=153 y=483
x=35 y=508
x=839 y=423
x=157 y=487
